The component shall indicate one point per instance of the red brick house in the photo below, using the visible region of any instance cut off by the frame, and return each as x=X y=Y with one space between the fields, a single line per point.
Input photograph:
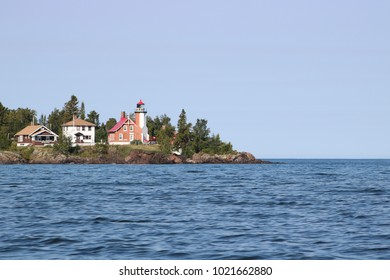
x=37 y=135
x=126 y=130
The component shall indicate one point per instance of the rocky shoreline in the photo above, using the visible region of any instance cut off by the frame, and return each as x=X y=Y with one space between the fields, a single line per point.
x=45 y=156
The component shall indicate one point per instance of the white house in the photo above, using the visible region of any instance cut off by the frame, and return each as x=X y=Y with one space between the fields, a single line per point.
x=80 y=132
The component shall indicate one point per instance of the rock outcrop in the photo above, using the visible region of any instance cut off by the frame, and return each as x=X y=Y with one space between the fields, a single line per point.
x=48 y=156
x=143 y=157
x=236 y=158
x=11 y=158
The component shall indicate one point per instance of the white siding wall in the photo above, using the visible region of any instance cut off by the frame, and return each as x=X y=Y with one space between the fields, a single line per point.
x=145 y=133
x=71 y=131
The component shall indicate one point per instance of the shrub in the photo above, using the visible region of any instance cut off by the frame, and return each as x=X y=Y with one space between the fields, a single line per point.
x=26 y=152
x=101 y=149
x=64 y=146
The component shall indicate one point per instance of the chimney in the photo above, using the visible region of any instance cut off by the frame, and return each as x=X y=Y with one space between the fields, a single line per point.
x=123 y=115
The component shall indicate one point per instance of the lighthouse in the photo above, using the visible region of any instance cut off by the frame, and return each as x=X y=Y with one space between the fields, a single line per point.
x=140 y=120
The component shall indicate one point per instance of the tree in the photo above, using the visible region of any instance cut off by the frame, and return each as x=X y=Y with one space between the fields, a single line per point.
x=71 y=108
x=156 y=124
x=93 y=117
x=216 y=146
x=56 y=120
x=201 y=134
x=5 y=142
x=184 y=136
x=110 y=123
x=12 y=121
x=20 y=118
x=152 y=126
x=3 y=114
x=43 y=120
x=165 y=137
x=82 y=111
x=101 y=134
x=64 y=146
x=4 y=136
x=165 y=120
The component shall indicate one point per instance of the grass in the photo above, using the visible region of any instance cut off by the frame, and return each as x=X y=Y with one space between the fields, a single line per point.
x=124 y=150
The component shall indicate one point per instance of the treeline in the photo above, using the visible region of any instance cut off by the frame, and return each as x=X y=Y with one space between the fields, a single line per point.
x=185 y=138
x=14 y=120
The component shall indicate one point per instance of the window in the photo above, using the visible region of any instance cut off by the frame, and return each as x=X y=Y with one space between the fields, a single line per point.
x=89 y=128
x=83 y=128
x=78 y=128
x=131 y=136
x=87 y=137
x=131 y=128
x=125 y=128
x=120 y=136
x=20 y=138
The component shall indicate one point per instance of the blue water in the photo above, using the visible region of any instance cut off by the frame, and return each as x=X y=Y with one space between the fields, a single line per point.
x=305 y=209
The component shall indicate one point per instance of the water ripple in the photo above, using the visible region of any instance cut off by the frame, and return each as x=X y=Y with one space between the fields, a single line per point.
x=305 y=209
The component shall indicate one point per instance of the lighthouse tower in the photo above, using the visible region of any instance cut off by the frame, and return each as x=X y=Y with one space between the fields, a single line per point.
x=140 y=120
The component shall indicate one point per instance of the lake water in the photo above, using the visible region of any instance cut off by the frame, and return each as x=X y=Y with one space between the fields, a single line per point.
x=304 y=209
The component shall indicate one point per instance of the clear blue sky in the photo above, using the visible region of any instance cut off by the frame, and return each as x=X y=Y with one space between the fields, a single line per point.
x=295 y=79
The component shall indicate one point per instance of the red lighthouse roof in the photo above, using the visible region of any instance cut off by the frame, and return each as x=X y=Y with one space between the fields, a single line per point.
x=140 y=102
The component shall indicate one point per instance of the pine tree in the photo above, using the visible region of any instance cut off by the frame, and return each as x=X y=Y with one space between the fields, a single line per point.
x=71 y=108
x=201 y=134
x=82 y=111
x=43 y=120
x=93 y=117
x=184 y=136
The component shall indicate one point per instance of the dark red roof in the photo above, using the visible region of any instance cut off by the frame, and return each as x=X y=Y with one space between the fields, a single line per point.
x=140 y=102
x=118 y=125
